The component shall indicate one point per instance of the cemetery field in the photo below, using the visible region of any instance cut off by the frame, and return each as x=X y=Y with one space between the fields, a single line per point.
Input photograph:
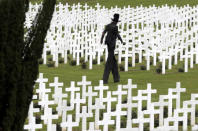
x=68 y=73
x=121 y=3
x=166 y=43
x=189 y=80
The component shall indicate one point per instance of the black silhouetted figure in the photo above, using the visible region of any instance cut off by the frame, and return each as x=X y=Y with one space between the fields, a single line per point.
x=110 y=41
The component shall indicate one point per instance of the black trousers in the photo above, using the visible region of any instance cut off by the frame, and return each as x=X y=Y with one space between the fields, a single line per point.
x=111 y=65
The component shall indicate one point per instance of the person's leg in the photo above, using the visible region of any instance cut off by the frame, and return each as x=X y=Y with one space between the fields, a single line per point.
x=115 y=72
x=108 y=67
x=106 y=73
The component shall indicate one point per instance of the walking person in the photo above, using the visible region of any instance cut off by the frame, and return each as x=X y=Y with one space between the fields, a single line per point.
x=110 y=40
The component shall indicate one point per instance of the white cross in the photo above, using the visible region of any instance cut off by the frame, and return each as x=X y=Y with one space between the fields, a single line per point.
x=67 y=5
x=90 y=53
x=99 y=51
x=31 y=111
x=183 y=118
x=163 y=57
x=126 y=55
x=60 y=98
x=118 y=111
x=32 y=126
x=186 y=56
x=90 y=95
x=98 y=6
x=41 y=79
x=84 y=84
x=85 y=6
x=196 y=52
x=42 y=91
x=78 y=101
x=170 y=127
x=106 y=121
x=161 y=105
x=91 y=127
x=191 y=55
x=170 y=98
x=149 y=91
x=69 y=124
x=44 y=56
x=78 y=6
x=151 y=111
x=98 y=105
x=65 y=56
x=50 y=117
x=195 y=128
x=129 y=86
x=34 y=97
x=84 y=116
x=64 y=109
x=47 y=117
x=72 y=89
x=139 y=98
x=129 y=103
x=73 y=7
x=193 y=105
x=119 y=93
x=45 y=102
x=178 y=91
x=133 y=55
x=101 y=88
x=56 y=85
x=77 y=51
x=109 y=100
x=141 y=120
x=147 y=55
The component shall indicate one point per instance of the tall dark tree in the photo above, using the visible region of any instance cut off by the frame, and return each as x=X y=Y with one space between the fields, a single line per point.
x=19 y=59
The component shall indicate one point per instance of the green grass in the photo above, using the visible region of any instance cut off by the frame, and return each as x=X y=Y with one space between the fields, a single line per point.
x=67 y=73
x=122 y=3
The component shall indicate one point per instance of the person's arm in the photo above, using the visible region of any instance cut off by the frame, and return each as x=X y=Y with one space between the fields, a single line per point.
x=119 y=37
x=103 y=34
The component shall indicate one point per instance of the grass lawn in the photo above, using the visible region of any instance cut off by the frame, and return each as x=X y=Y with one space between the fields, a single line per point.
x=189 y=80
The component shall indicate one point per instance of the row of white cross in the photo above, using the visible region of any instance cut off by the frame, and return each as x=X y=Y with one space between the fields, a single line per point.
x=164 y=34
x=87 y=102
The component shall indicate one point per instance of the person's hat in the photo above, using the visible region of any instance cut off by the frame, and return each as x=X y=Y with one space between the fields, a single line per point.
x=116 y=18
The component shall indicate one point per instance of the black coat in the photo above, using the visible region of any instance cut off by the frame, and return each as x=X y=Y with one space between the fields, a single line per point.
x=112 y=34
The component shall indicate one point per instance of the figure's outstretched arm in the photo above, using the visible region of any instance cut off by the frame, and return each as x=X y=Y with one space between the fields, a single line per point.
x=103 y=34
x=119 y=37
